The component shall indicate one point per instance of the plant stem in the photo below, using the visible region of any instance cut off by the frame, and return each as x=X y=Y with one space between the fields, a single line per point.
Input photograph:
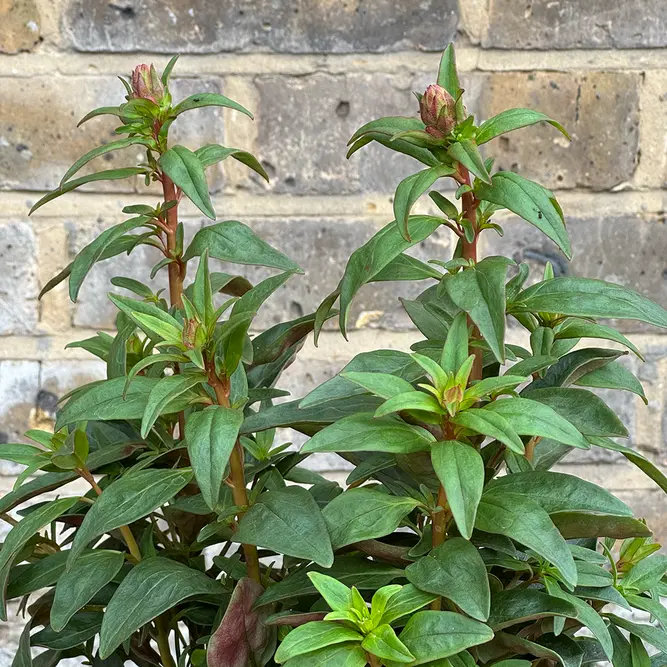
x=530 y=447
x=125 y=531
x=163 y=643
x=373 y=660
x=237 y=475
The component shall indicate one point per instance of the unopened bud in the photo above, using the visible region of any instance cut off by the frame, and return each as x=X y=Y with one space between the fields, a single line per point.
x=146 y=84
x=438 y=111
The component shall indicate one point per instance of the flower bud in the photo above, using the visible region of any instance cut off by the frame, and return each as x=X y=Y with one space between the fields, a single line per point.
x=146 y=84
x=438 y=111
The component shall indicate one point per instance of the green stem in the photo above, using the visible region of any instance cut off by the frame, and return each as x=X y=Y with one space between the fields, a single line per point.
x=163 y=643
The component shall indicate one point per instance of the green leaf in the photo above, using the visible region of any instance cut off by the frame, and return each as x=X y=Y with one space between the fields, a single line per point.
x=101 y=111
x=645 y=574
x=587 y=297
x=364 y=514
x=201 y=100
x=403 y=603
x=514 y=606
x=480 y=292
x=575 y=329
x=530 y=201
x=337 y=595
x=411 y=400
x=162 y=395
x=28 y=578
x=588 y=413
x=101 y=150
x=410 y=189
x=640 y=656
x=513 y=119
x=383 y=385
x=455 y=351
x=152 y=587
x=556 y=492
x=466 y=152
x=109 y=175
x=362 y=433
x=368 y=260
x=455 y=570
x=133 y=307
x=213 y=153
x=383 y=642
x=448 y=77
x=157 y=327
x=126 y=500
x=183 y=167
x=76 y=588
x=23 y=656
x=574 y=525
x=83 y=626
x=211 y=435
x=287 y=521
x=166 y=73
x=460 y=469
x=107 y=400
x=649 y=605
x=523 y=520
x=314 y=636
x=613 y=376
x=339 y=655
x=529 y=417
x=232 y=241
x=19 y=453
x=651 y=635
x=433 y=635
x=487 y=422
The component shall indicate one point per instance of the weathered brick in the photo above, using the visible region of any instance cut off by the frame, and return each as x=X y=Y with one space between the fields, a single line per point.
x=600 y=110
x=321 y=247
x=18 y=279
x=93 y=308
x=304 y=124
x=628 y=250
x=36 y=149
x=304 y=26
x=570 y=24
x=19 y=26
x=19 y=382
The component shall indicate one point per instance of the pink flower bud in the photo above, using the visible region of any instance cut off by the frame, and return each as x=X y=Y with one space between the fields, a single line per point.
x=438 y=111
x=146 y=84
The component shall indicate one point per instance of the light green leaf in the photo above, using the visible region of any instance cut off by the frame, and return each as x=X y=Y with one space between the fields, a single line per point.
x=645 y=574
x=126 y=500
x=513 y=119
x=530 y=201
x=411 y=400
x=339 y=655
x=201 y=100
x=466 y=153
x=364 y=514
x=362 y=433
x=312 y=637
x=408 y=600
x=383 y=642
x=336 y=594
x=383 y=385
x=650 y=634
x=211 y=435
x=151 y=588
x=187 y=172
x=455 y=570
x=491 y=424
x=455 y=351
x=287 y=521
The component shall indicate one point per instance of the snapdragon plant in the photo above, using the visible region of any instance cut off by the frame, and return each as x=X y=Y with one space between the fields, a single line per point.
x=203 y=541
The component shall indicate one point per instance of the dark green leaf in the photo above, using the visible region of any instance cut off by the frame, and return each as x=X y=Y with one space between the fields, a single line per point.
x=651 y=635
x=514 y=606
x=466 y=153
x=645 y=574
x=455 y=570
x=513 y=119
x=287 y=521
x=486 y=422
x=83 y=626
x=213 y=153
x=200 y=100
x=23 y=655
x=613 y=376
x=575 y=329
x=573 y=525
x=151 y=588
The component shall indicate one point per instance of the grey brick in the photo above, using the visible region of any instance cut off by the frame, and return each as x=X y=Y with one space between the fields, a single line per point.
x=302 y=26
x=648 y=504
x=18 y=279
x=19 y=26
x=570 y=24
x=628 y=250
x=304 y=124
x=19 y=383
x=321 y=247
x=599 y=109
x=93 y=308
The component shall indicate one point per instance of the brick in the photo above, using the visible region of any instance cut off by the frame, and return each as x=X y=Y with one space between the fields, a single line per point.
x=93 y=308
x=19 y=26
x=19 y=382
x=36 y=149
x=321 y=247
x=304 y=26
x=572 y=24
x=304 y=124
x=649 y=504
x=599 y=109
x=628 y=250
x=18 y=279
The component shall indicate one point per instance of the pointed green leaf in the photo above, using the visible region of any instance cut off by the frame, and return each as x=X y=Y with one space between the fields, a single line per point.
x=339 y=655
x=383 y=642
x=201 y=100
x=491 y=424
x=411 y=400
x=514 y=606
x=466 y=153
x=213 y=153
x=314 y=636
x=513 y=119
x=613 y=376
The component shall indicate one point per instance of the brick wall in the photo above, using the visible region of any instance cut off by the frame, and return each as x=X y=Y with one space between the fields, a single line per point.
x=313 y=71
